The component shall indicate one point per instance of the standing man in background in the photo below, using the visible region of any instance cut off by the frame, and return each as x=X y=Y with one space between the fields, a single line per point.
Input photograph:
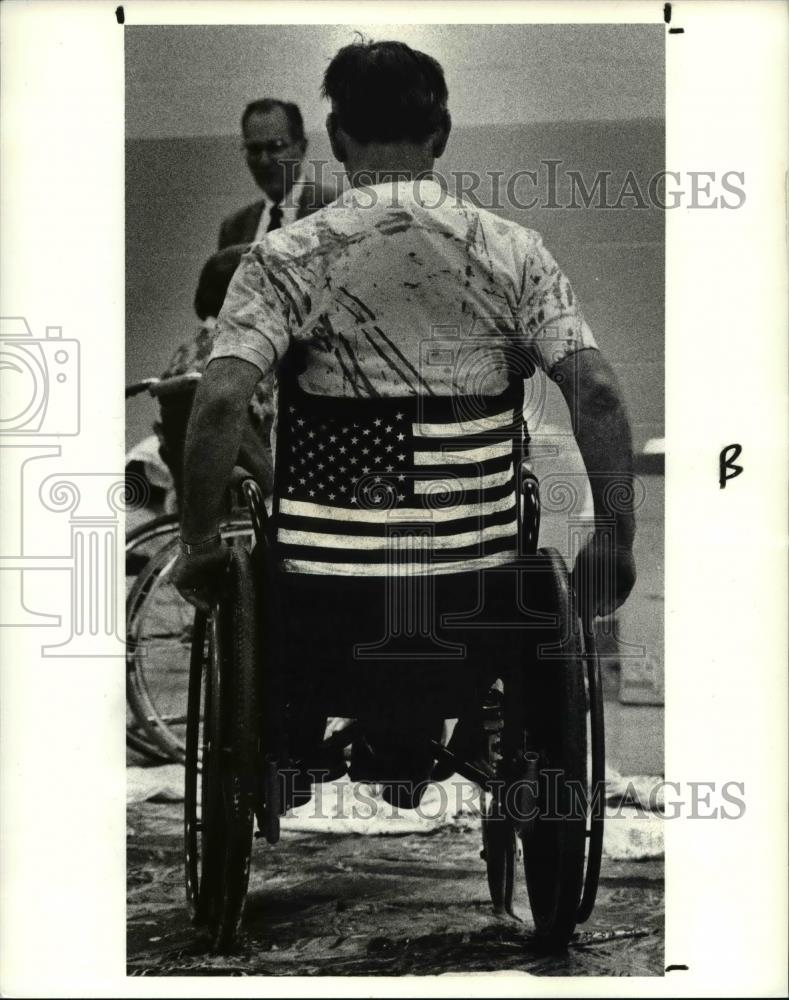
x=274 y=145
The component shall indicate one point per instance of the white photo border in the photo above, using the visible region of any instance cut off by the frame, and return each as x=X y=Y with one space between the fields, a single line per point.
x=62 y=824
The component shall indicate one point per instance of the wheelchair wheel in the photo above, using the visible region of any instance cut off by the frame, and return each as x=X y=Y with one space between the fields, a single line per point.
x=554 y=713
x=222 y=758
x=159 y=635
x=139 y=745
x=145 y=540
x=141 y=544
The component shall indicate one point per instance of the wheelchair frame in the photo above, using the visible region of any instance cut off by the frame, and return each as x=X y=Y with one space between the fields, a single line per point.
x=538 y=743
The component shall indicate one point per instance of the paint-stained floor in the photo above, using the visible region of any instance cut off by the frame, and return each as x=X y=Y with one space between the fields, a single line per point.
x=385 y=905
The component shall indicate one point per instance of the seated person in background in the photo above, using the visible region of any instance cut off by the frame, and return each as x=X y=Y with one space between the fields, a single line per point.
x=274 y=144
x=192 y=356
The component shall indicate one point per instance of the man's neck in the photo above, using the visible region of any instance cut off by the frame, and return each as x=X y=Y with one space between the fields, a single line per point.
x=389 y=162
x=278 y=196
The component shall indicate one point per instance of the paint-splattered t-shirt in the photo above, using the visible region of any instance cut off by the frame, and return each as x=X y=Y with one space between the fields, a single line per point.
x=410 y=320
x=401 y=289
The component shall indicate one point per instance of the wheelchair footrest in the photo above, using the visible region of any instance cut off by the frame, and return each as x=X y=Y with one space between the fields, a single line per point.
x=524 y=778
x=270 y=807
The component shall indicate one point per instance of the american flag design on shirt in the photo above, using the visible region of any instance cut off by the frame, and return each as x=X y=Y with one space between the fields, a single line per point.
x=397 y=486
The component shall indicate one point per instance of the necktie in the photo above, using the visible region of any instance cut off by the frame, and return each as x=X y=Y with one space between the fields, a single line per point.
x=275 y=218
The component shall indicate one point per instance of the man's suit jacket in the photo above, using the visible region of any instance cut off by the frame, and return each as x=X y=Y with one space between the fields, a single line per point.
x=242 y=226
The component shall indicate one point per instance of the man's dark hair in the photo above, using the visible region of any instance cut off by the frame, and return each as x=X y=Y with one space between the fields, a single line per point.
x=386 y=92
x=266 y=104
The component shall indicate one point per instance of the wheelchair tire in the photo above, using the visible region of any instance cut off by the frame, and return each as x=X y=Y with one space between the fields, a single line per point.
x=222 y=748
x=195 y=815
x=594 y=854
x=555 y=720
x=158 y=638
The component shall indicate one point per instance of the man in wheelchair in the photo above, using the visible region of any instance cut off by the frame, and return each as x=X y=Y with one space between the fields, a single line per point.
x=401 y=322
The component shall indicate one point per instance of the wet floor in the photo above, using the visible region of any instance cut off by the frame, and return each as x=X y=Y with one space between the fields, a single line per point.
x=383 y=905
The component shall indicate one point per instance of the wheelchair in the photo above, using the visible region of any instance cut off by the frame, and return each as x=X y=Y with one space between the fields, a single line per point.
x=158 y=619
x=540 y=789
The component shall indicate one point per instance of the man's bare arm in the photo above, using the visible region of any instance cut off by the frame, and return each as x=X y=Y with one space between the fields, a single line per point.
x=602 y=430
x=216 y=427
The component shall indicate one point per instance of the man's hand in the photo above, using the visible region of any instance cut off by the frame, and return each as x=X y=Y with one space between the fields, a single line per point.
x=603 y=576
x=198 y=578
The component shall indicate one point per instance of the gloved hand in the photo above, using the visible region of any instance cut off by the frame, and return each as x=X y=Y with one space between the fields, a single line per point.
x=603 y=576
x=198 y=577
